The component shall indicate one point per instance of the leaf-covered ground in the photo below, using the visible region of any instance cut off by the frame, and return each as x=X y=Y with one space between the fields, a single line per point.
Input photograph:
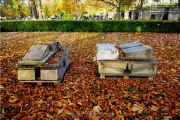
x=83 y=95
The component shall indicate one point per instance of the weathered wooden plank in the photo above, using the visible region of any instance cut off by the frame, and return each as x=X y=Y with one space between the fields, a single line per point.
x=62 y=70
x=126 y=77
x=39 y=82
x=65 y=51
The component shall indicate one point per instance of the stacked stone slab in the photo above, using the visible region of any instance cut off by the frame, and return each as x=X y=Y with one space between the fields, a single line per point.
x=130 y=59
x=35 y=67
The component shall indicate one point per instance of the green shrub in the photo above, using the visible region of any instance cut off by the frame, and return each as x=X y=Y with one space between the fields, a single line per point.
x=91 y=26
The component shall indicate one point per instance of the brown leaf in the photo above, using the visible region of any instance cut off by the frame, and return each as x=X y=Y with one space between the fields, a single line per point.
x=95 y=118
x=137 y=108
x=79 y=103
x=154 y=108
x=129 y=106
x=117 y=112
x=60 y=111
x=97 y=109
x=1 y=87
x=60 y=104
x=167 y=117
x=13 y=99
x=119 y=117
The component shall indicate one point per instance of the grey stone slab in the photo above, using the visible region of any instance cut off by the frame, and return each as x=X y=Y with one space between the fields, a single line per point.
x=144 y=71
x=38 y=63
x=26 y=74
x=54 y=74
x=52 y=45
x=37 y=53
x=138 y=52
x=131 y=44
x=137 y=49
x=111 y=67
x=49 y=74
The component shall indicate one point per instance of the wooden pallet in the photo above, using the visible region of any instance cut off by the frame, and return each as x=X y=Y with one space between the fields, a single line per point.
x=125 y=77
x=39 y=82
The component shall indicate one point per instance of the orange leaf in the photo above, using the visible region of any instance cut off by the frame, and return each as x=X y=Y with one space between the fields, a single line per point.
x=95 y=118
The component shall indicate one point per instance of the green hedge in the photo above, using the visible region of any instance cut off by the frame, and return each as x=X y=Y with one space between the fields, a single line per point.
x=91 y=26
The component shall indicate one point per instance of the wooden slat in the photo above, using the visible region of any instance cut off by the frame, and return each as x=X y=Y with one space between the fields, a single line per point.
x=126 y=77
x=38 y=82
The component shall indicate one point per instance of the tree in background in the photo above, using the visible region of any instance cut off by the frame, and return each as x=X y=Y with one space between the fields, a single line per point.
x=17 y=4
x=14 y=8
x=94 y=6
x=46 y=10
x=68 y=6
x=6 y=10
x=117 y=4
x=51 y=8
x=139 y=6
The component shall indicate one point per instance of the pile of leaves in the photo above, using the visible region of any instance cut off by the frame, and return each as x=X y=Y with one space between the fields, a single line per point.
x=82 y=94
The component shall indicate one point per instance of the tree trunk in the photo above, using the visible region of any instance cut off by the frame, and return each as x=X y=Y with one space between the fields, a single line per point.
x=19 y=11
x=141 y=10
x=40 y=9
x=118 y=10
x=118 y=13
x=179 y=8
x=34 y=9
